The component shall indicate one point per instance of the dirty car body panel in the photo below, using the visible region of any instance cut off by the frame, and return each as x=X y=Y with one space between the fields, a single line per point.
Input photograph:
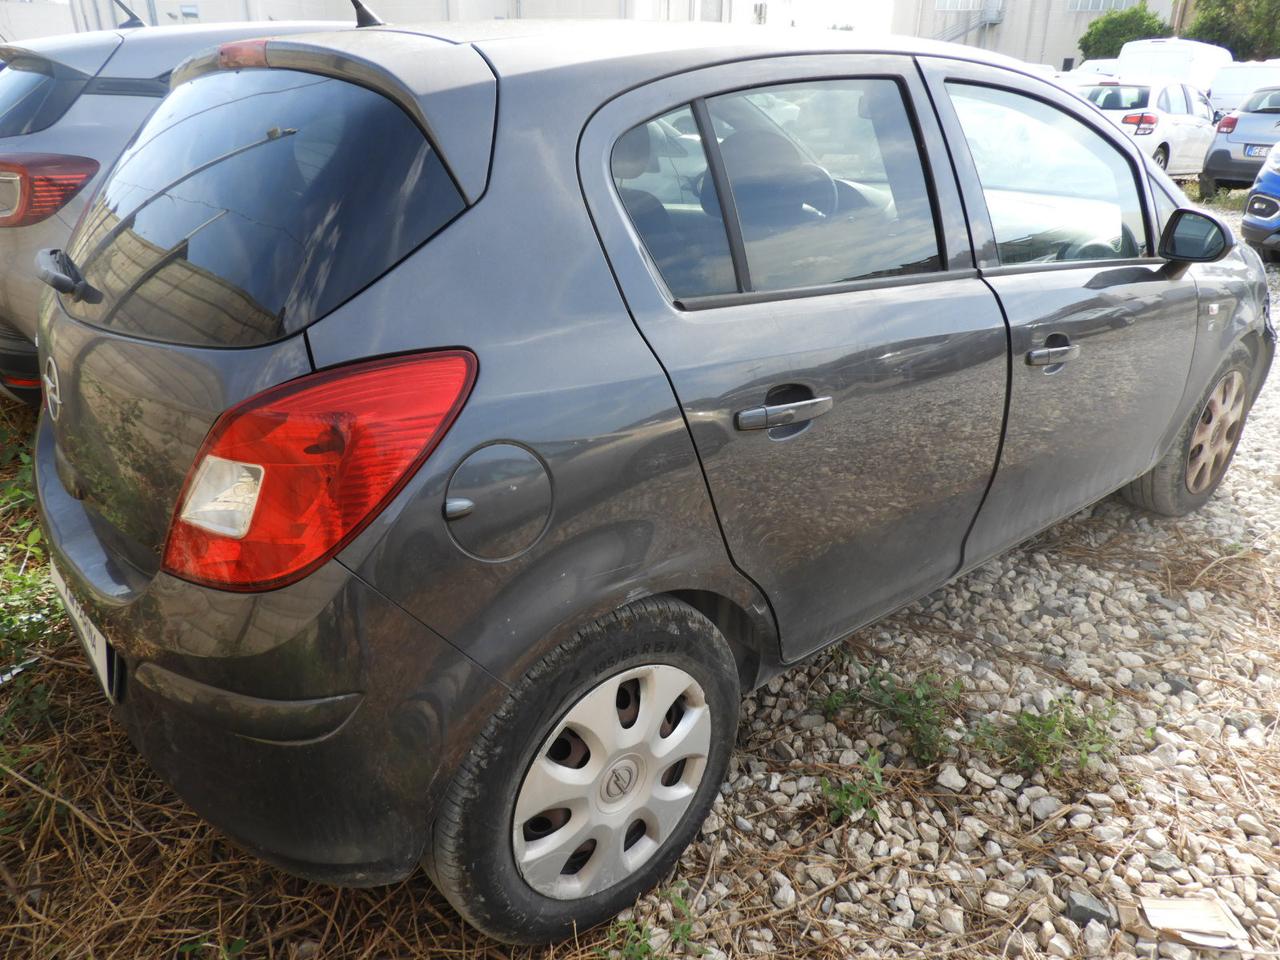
x=599 y=455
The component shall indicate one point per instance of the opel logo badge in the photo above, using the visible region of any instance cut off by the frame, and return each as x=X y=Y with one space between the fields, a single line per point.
x=52 y=389
x=619 y=781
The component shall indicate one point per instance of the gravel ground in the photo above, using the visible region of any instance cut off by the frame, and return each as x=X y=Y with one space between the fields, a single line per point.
x=1168 y=626
x=1160 y=632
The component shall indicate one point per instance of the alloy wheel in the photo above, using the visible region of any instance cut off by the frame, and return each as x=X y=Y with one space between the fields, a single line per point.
x=612 y=782
x=1216 y=433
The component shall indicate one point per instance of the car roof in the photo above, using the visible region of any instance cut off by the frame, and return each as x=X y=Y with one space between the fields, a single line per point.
x=547 y=44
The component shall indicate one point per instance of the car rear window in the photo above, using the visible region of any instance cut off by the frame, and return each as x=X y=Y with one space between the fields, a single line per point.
x=32 y=97
x=1111 y=96
x=253 y=203
x=1263 y=101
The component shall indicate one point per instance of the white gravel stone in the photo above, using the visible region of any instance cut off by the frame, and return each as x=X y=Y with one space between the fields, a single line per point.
x=950 y=778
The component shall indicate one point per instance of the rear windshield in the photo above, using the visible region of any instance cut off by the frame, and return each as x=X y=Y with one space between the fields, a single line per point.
x=1115 y=97
x=32 y=98
x=1263 y=101
x=252 y=204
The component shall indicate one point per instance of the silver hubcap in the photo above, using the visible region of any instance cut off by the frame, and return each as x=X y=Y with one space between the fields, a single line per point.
x=612 y=782
x=1216 y=432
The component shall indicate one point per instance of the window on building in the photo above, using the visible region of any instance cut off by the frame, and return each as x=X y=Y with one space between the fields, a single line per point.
x=954 y=5
x=1098 y=6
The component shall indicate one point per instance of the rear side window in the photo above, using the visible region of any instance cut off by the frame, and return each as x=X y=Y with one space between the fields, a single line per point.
x=826 y=178
x=1114 y=97
x=1263 y=101
x=828 y=182
x=660 y=170
x=33 y=97
x=252 y=204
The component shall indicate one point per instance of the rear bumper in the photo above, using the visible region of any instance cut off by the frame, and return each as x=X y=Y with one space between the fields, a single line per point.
x=1222 y=166
x=19 y=366
x=314 y=725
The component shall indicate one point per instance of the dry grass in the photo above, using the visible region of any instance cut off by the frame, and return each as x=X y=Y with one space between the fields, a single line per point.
x=98 y=858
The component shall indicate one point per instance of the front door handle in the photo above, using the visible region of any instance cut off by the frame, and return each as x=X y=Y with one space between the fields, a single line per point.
x=782 y=414
x=1048 y=356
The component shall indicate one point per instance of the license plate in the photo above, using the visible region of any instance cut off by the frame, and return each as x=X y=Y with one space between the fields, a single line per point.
x=1257 y=150
x=95 y=642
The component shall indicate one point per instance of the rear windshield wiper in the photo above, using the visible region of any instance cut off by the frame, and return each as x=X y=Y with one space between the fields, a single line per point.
x=59 y=271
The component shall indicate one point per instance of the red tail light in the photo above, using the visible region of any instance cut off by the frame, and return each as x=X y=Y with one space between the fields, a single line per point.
x=1140 y=119
x=288 y=478
x=35 y=186
x=242 y=53
x=1227 y=123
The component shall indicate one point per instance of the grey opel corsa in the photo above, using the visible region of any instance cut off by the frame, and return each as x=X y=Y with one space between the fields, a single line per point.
x=446 y=426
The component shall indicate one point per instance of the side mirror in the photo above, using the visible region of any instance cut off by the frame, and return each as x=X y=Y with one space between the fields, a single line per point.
x=1193 y=236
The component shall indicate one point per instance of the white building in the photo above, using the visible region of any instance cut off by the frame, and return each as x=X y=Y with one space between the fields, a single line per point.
x=1038 y=31
x=20 y=20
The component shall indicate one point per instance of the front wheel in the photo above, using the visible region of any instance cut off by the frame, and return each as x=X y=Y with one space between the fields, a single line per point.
x=589 y=782
x=1189 y=473
x=1267 y=255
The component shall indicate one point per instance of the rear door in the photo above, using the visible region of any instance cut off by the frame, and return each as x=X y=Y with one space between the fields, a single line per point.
x=814 y=302
x=1102 y=332
x=1200 y=128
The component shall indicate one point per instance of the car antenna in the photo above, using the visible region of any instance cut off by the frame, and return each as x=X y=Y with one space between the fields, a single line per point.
x=133 y=21
x=364 y=16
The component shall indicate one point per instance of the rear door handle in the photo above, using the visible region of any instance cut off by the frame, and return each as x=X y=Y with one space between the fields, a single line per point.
x=779 y=415
x=1048 y=356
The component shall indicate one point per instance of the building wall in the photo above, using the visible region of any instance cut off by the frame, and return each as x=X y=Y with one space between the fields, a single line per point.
x=870 y=15
x=26 y=21
x=1038 y=31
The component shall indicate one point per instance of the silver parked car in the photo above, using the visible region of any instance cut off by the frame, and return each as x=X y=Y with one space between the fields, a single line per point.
x=68 y=107
x=1244 y=139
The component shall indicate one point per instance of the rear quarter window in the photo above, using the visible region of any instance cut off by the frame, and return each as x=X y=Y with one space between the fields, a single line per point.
x=251 y=204
x=34 y=96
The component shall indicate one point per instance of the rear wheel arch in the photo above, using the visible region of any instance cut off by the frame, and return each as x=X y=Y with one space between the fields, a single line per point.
x=750 y=642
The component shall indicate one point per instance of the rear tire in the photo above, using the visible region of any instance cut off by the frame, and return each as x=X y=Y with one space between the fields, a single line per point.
x=564 y=813
x=1208 y=187
x=1193 y=468
x=1161 y=157
x=1268 y=256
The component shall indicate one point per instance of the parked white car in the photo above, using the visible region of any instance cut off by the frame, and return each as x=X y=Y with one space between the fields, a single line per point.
x=1234 y=82
x=1188 y=61
x=1171 y=121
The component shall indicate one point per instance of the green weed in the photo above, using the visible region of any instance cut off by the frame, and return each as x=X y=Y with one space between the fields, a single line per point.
x=1047 y=741
x=921 y=709
x=845 y=797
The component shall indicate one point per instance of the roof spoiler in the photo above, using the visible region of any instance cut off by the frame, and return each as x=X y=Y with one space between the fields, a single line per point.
x=11 y=52
x=448 y=89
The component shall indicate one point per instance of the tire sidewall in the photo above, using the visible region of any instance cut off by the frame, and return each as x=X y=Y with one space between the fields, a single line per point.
x=688 y=642
x=1174 y=468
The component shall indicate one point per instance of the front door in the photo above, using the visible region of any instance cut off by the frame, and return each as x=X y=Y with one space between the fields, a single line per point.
x=1101 y=331
x=840 y=365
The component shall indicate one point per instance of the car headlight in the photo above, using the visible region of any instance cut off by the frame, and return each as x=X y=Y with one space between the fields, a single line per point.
x=1273 y=157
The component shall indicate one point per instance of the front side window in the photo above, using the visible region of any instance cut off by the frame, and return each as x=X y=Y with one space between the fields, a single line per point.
x=660 y=171
x=828 y=182
x=1055 y=188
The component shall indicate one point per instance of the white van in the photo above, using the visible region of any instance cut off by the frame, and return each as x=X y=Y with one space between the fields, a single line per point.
x=1192 y=62
x=1234 y=82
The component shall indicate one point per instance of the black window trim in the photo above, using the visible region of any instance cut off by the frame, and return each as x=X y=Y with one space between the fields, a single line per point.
x=746 y=294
